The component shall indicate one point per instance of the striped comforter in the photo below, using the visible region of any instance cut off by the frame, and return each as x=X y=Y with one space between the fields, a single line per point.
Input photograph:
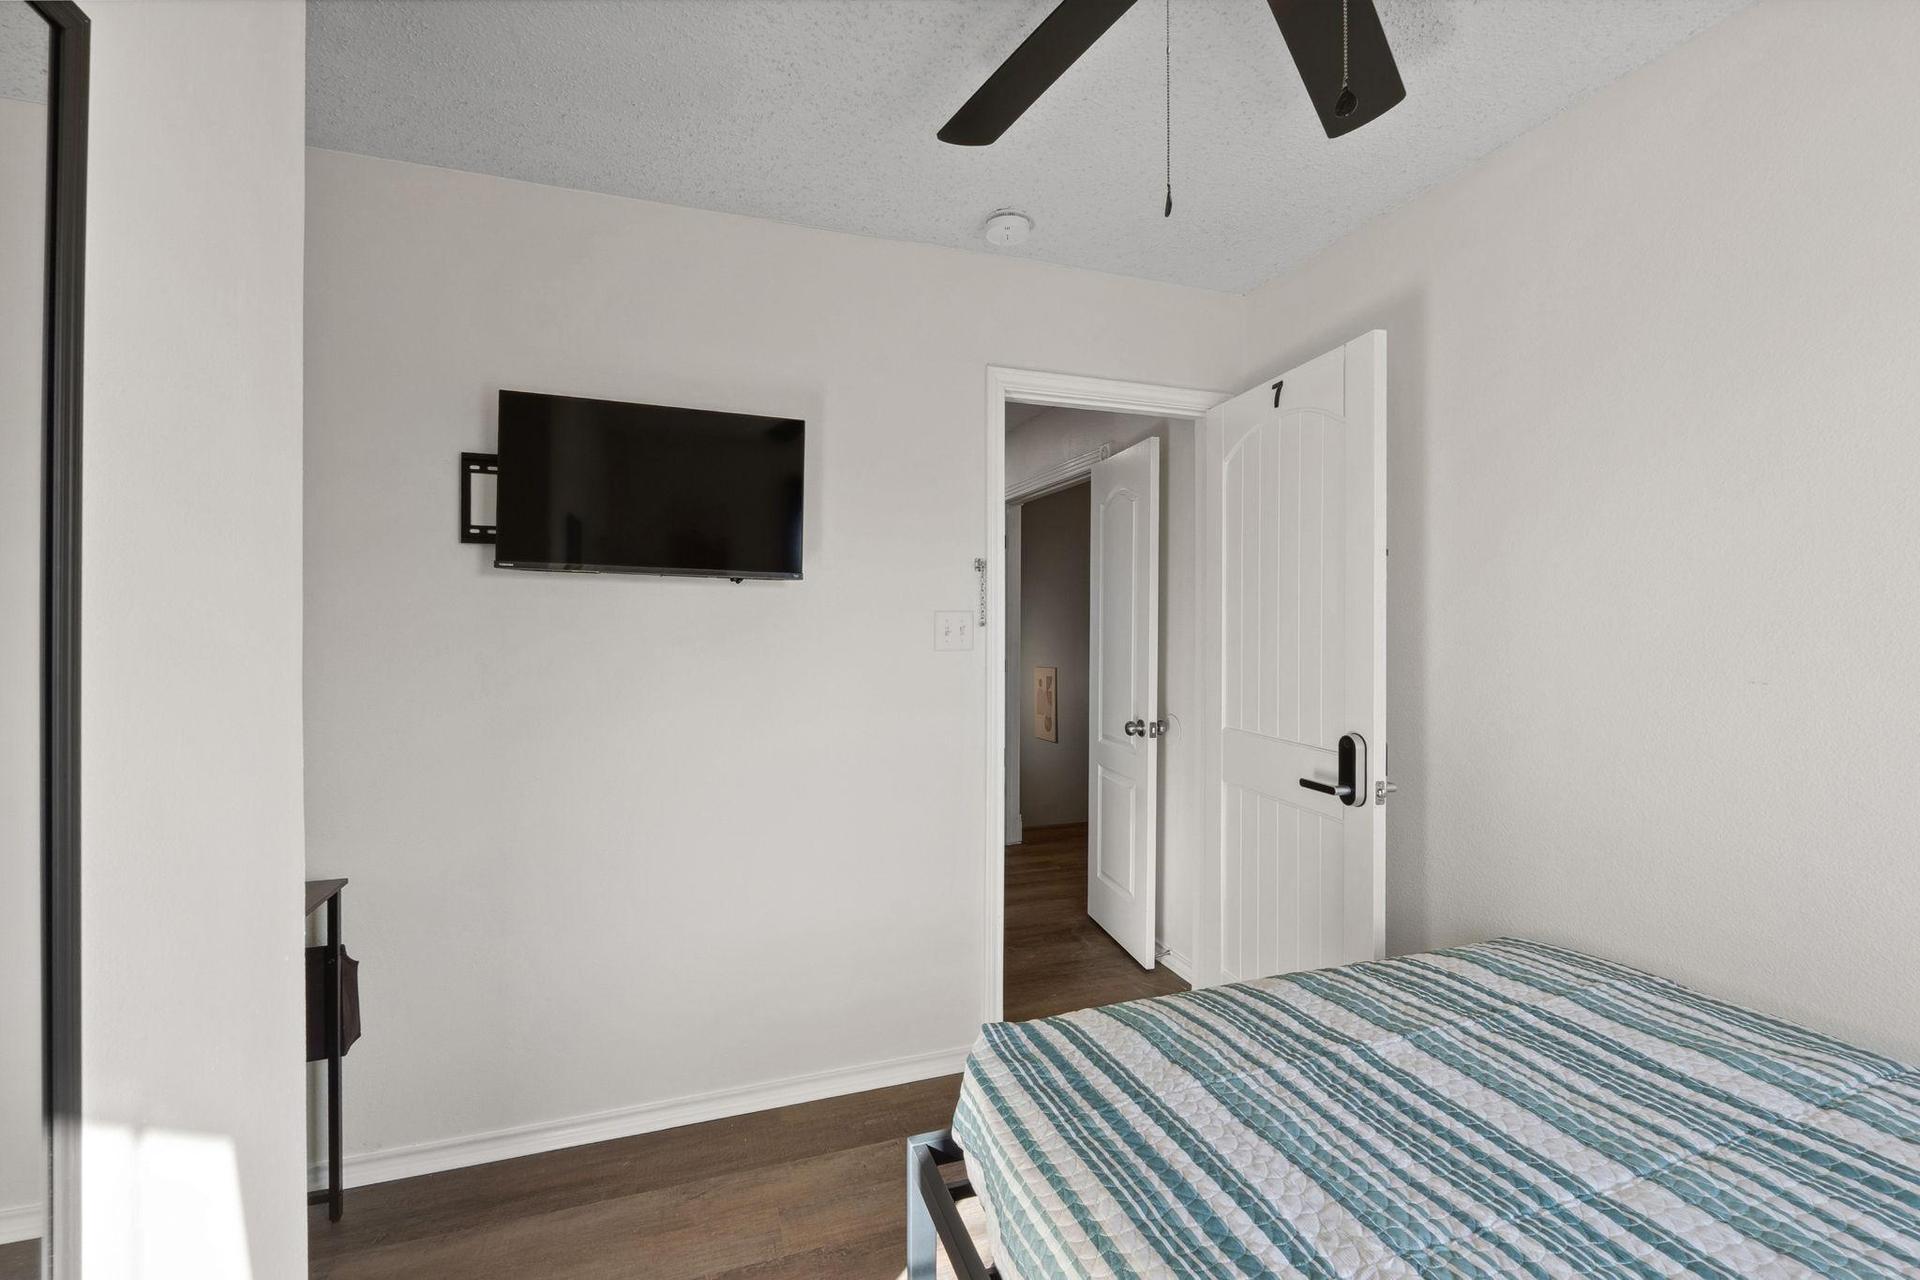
x=1503 y=1109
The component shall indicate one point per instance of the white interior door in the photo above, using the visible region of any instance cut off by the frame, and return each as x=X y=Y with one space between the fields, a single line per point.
x=1294 y=583
x=1123 y=698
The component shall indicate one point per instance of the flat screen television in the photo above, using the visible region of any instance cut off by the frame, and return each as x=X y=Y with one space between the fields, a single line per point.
x=602 y=486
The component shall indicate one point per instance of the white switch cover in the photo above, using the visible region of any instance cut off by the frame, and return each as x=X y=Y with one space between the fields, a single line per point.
x=953 y=630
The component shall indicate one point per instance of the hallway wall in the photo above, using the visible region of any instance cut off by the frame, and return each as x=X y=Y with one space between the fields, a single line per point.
x=1054 y=562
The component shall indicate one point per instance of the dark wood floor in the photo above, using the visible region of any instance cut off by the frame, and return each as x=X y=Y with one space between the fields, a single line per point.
x=811 y=1191
x=20 y=1260
x=1057 y=959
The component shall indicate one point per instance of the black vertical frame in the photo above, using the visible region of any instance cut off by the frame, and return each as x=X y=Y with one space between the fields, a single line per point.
x=60 y=626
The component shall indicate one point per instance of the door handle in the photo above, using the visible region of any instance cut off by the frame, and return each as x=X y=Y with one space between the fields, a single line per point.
x=1352 y=787
x=1133 y=728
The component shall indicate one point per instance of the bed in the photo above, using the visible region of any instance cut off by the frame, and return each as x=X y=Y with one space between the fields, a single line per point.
x=1508 y=1108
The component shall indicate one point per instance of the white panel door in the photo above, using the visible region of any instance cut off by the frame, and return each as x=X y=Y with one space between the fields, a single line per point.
x=1294 y=576
x=1123 y=698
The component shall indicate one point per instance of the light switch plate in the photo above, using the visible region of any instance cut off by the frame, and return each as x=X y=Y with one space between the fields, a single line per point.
x=953 y=629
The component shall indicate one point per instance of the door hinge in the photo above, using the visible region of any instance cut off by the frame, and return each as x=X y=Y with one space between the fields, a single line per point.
x=980 y=567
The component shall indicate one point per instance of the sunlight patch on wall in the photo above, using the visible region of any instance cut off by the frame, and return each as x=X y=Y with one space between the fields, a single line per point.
x=161 y=1205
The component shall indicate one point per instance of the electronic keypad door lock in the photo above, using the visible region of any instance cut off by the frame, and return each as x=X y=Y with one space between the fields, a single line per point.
x=1351 y=789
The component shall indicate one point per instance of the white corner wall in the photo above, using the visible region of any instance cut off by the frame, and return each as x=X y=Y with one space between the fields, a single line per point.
x=1653 y=520
x=23 y=266
x=193 y=1154
x=641 y=849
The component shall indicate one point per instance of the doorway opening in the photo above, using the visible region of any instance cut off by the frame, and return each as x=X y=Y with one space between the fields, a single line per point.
x=1088 y=810
x=1058 y=956
x=1277 y=713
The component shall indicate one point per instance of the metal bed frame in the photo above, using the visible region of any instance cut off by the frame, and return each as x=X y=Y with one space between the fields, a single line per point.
x=933 y=1210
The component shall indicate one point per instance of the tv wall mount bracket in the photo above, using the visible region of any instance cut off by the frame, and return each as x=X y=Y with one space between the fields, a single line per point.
x=471 y=465
x=488 y=464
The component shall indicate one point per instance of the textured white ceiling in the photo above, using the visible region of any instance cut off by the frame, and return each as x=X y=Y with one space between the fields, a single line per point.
x=1019 y=415
x=823 y=112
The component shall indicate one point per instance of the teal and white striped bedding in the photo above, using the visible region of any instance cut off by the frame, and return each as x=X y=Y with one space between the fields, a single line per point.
x=1503 y=1109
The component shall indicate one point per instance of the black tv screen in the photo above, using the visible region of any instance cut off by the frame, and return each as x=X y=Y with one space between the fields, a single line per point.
x=598 y=485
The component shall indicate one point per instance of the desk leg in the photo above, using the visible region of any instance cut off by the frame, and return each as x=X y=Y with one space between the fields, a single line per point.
x=335 y=1196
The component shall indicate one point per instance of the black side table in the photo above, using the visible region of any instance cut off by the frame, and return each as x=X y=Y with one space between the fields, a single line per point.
x=327 y=892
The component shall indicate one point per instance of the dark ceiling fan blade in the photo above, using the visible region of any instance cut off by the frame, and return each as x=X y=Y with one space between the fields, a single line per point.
x=1042 y=57
x=1311 y=29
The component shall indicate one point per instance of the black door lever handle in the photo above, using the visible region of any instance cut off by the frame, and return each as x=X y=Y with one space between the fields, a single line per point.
x=1353 y=772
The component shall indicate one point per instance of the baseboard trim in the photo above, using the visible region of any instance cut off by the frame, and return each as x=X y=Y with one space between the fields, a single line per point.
x=368 y=1167
x=1181 y=965
x=20 y=1222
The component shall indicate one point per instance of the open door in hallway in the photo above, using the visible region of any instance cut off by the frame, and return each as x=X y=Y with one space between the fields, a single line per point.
x=1123 y=702
x=1294 y=600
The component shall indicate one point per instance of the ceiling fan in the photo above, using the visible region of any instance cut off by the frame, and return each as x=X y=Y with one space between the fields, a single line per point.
x=1337 y=45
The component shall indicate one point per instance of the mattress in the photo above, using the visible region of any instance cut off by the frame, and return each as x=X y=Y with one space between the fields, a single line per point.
x=1501 y=1109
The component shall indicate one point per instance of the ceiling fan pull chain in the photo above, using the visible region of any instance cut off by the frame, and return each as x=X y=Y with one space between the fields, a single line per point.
x=1168 y=213
x=1347 y=102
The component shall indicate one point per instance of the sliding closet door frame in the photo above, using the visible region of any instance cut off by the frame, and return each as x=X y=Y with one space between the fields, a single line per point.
x=60 y=627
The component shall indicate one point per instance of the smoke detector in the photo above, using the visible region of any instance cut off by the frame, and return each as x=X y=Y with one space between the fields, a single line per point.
x=1008 y=227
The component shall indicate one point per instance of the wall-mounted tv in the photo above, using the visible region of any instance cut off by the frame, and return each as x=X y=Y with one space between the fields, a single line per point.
x=602 y=486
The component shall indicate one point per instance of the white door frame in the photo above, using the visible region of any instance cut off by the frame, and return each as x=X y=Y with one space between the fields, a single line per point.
x=1061 y=391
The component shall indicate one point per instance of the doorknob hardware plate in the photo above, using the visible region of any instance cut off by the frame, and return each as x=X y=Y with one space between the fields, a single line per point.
x=1351 y=789
x=1157 y=728
x=1381 y=790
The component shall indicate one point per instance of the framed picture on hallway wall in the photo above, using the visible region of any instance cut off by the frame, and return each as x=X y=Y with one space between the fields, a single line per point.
x=1046 y=723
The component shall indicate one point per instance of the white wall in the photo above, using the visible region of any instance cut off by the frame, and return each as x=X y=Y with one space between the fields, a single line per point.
x=1653 y=521
x=616 y=841
x=191 y=748
x=23 y=260
x=1052 y=631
